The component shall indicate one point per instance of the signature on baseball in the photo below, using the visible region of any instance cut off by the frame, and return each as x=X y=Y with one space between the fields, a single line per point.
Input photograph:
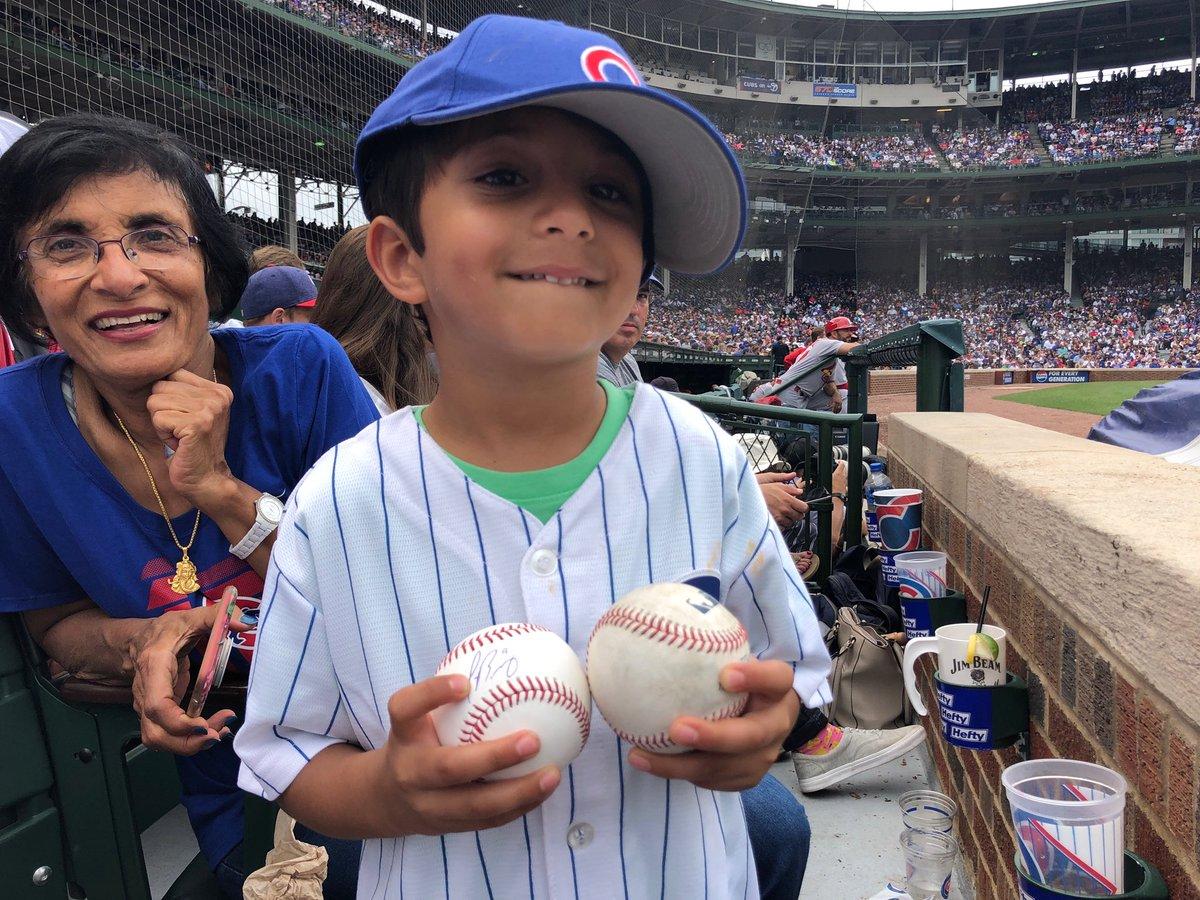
x=491 y=663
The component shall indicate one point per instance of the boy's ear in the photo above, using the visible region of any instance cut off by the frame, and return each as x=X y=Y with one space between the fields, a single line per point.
x=394 y=260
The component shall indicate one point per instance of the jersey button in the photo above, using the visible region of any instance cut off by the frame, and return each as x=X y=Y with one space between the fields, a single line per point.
x=543 y=562
x=580 y=834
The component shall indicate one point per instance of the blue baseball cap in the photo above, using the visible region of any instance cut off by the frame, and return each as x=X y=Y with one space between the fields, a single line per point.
x=277 y=287
x=505 y=62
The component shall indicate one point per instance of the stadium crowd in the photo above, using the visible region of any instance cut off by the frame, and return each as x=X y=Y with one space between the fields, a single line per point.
x=867 y=152
x=1125 y=136
x=987 y=148
x=387 y=32
x=1012 y=315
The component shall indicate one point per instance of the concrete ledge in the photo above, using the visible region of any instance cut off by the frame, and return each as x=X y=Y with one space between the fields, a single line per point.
x=1109 y=536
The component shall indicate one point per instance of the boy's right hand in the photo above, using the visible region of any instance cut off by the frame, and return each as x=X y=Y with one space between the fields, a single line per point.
x=431 y=789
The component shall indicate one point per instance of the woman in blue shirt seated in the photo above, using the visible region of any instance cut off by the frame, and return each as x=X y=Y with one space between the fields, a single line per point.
x=142 y=468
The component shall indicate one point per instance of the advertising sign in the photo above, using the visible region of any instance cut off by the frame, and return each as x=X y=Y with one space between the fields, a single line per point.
x=758 y=85
x=833 y=89
x=1059 y=376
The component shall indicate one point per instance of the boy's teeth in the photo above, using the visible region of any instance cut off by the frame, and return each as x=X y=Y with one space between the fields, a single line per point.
x=114 y=321
x=577 y=282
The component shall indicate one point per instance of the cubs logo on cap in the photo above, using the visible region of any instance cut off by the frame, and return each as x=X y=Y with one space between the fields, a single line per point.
x=605 y=64
x=497 y=63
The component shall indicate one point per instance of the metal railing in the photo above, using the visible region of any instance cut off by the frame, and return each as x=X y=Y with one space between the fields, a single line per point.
x=772 y=430
x=932 y=346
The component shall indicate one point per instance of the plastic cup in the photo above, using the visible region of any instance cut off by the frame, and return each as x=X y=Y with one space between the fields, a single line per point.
x=1070 y=822
x=928 y=863
x=921 y=573
x=898 y=517
x=927 y=811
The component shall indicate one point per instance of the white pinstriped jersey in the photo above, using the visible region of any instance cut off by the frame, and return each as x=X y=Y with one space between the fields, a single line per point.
x=388 y=556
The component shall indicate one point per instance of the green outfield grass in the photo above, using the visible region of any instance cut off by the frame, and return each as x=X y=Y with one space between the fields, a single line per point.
x=1099 y=398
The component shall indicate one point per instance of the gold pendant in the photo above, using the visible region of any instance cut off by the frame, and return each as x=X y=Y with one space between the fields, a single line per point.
x=185 y=581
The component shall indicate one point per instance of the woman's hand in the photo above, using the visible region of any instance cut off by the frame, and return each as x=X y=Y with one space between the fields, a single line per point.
x=732 y=754
x=783 y=499
x=158 y=657
x=191 y=416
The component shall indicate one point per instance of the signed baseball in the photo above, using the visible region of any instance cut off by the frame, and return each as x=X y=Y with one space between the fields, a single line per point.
x=523 y=677
x=657 y=654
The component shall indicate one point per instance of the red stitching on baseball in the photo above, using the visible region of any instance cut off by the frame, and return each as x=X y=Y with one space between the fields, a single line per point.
x=672 y=634
x=660 y=741
x=504 y=696
x=489 y=636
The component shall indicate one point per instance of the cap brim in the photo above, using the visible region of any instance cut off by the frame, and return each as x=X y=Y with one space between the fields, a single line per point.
x=307 y=304
x=697 y=189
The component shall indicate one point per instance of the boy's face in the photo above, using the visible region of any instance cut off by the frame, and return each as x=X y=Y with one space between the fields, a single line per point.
x=533 y=241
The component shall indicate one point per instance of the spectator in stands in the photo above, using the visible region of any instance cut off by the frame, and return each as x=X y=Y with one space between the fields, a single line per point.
x=150 y=484
x=279 y=295
x=616 y=364
x=383 y=337
x=273 y=255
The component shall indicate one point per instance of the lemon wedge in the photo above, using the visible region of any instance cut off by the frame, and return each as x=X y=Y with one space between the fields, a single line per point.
x=983 y=646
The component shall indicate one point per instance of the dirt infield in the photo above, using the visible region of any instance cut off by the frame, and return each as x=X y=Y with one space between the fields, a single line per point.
x=983 y=399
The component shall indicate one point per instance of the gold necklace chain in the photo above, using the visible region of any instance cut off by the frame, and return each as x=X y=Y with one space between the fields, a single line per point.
x=185 y=581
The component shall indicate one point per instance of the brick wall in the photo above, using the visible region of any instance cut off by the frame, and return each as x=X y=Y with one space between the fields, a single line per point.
x=1083 y=705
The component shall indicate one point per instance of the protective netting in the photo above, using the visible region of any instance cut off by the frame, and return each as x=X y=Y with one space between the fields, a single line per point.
x=271 y=92
x=897 y=171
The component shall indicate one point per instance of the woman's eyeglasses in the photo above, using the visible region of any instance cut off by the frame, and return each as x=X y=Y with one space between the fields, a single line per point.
x=66 y=257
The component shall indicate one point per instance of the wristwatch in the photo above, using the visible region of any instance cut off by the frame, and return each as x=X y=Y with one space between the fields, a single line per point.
x=268 y=512
x=841 y=497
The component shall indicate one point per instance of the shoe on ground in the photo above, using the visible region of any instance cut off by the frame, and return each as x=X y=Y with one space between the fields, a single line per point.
x=860 y=750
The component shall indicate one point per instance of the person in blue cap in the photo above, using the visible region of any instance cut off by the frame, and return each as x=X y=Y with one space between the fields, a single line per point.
x=521 y=184
x=279 y=295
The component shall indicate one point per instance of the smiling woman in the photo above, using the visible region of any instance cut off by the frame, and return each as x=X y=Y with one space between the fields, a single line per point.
x=153 y=477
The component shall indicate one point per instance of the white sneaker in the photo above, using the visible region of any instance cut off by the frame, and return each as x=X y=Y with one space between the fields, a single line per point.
x=859 y=750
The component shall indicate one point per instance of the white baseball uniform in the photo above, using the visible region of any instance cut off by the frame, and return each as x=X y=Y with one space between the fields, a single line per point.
x=388 y=556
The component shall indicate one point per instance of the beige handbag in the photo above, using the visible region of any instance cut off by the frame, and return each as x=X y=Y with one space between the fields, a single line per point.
x=294 y=870
x=867 y=680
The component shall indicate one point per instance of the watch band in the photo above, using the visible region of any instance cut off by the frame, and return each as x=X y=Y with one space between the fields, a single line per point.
x=258 y=531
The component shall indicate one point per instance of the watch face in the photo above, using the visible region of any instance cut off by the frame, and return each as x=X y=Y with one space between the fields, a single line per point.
x=271 y=509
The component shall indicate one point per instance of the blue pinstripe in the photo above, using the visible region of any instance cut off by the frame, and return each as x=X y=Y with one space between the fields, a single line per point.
x=754 y=600
x=662 y=893
x=437 y=569
x=645 y=497
x=487 y=581
x=387 y=543
x=295 y=676
x=333 y=718
x=687 y=503
x=337 y=512
x=612 y=597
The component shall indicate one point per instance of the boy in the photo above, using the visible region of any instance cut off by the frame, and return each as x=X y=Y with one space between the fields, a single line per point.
x=521 y=183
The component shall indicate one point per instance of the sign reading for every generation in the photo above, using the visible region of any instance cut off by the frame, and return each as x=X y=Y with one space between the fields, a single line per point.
x=1064 y=376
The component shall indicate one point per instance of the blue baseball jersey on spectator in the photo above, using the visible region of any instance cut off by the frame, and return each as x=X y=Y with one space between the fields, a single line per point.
x=73 y=532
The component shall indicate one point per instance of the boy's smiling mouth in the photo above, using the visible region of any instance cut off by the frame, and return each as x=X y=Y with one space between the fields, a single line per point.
x=565 y=277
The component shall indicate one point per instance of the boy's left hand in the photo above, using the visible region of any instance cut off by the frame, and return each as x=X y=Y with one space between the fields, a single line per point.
x=732 y=754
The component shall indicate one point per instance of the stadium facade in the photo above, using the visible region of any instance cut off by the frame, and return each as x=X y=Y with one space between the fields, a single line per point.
x=272 y=92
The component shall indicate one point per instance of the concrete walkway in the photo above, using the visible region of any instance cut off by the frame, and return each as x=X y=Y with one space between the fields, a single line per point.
x=855 y=830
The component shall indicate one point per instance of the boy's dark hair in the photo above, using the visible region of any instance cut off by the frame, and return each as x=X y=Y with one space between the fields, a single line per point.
x=397 y=165
x=45 y=164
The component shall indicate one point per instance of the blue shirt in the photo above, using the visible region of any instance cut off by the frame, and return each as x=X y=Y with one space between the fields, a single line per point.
x=71 y=531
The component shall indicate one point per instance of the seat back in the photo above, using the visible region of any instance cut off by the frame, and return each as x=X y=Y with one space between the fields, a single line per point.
x=32 y=857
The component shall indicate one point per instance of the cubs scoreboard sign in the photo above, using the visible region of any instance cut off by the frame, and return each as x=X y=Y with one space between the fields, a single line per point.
x=835 y=90
x=758 y=85
x=1059 y=376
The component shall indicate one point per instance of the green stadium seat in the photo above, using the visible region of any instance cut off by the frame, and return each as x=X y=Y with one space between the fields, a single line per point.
x=77 y=788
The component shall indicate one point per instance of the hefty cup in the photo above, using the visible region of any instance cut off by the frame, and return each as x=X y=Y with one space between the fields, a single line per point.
x=921 y=574
x=1070 y=823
